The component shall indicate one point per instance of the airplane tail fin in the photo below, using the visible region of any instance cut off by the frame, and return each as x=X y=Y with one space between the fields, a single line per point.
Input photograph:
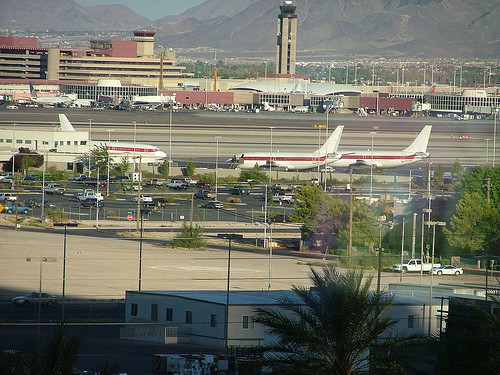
x=433 y=88
x=65 y=124
x=332 y=143
x=420 y=143
x=32 y=90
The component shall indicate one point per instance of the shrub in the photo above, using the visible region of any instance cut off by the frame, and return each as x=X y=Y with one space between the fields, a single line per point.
x=189 y=237
x=56 y=216
x=233 y=200
x=111 y=213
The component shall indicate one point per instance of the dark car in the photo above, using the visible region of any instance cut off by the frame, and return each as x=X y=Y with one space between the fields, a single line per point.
x=33 y=203
x=280 y=219
x=92 y=181
x=239 y=190
x=91 y=202
x=35 y=297
x=203 y=184
x=214 y=204
x=31 y=177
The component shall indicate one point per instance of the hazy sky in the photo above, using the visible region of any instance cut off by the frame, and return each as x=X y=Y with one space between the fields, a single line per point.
x=152 y=9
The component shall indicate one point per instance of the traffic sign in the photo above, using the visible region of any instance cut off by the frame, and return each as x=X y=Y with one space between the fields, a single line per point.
x=130 y=217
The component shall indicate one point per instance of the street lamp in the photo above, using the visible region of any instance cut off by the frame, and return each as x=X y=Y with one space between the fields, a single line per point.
x=90 y=140
x=495 y=112
x=433 y=224
x=109 y=149
x=271 y=156
x=170 y=141
x=135 y=135
x=371 y=166
x=487 y=148
x=41 y=259
x=381 y=223
x=65 y=225
x=216 y=164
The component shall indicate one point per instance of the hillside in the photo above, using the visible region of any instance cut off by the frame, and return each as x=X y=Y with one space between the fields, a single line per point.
x=388 y=28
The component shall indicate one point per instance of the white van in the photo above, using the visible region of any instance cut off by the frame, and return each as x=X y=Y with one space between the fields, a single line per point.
x=12 y=107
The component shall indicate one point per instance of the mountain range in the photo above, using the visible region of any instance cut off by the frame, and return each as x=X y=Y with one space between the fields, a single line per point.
x=387 y=28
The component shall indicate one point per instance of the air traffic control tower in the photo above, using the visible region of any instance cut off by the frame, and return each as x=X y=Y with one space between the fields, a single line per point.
x=287 y=39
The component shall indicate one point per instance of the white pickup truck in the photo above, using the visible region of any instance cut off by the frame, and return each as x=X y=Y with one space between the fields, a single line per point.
x=413 y=265
x=282 y=198
x=8 y=197
x=89 y=193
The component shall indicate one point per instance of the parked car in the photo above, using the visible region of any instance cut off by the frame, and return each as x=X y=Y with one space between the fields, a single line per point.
x=447 y=270
x=31 y=177
x=144 y=199
x=92 y=181
x=280 y=218
x=33 y=203
x=53 y=188
x=214 y=204
x=8 y=197
x=10 y=209
x=35 y=297
x=203 y=184
x=92 y=202
x=204 y=194
x=239 y=190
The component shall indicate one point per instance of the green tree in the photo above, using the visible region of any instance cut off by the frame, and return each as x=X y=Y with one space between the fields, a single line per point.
x=253 y=175
x=99 y=158
x=122 y=167
x=322 y=215
x=438 y=178
x=475 y=226
x=364 y=226
x=164 y=168
x=190 y=168
x=336 y=328
x=23 y=161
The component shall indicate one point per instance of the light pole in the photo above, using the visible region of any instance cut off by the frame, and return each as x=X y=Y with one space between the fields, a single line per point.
x=381 y=223
x=41 y=259
x=90 y=140
x=109 y=149
x=216 y=164
x=487 y=148
x=371 y=166
x=65 y=225
x=495 y=112
x=135 y=138
x=14 y=152
x=271 y=156
x=170 y=142
x=433 y=223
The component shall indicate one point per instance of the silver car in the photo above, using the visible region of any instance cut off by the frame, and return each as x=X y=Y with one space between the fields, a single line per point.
x=35 y=297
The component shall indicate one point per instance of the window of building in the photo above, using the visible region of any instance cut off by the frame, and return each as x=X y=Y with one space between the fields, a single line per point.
x=56 y=143
x=189 y=317
x=1 y=140
x=154 y=312
x=45 y=143
x=28 y=141
x=83 y=143
x=412 y=321
x=75 y=143
x=8 y=140
x=170 y=315
x=70 y=166
x=68 y=143
x=20 y=141
x=133 y=309
x=248 y=322
x=213 y=320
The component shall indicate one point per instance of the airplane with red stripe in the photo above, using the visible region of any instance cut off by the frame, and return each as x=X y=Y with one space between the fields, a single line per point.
x=383 y=159
x=291 y=161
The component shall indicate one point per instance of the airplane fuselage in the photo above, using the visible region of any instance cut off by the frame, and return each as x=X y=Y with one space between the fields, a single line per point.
x=379 y=160
x=288 y=161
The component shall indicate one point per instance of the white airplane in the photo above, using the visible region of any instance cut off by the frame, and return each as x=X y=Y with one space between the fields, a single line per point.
x=291 y=161
x=119 y=148
x=417 y=151
x=48 y=100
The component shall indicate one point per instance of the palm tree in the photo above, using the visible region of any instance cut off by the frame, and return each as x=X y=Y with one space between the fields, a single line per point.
x=337 y=327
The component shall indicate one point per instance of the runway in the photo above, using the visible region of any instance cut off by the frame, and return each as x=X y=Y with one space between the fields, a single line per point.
x=191 y=134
